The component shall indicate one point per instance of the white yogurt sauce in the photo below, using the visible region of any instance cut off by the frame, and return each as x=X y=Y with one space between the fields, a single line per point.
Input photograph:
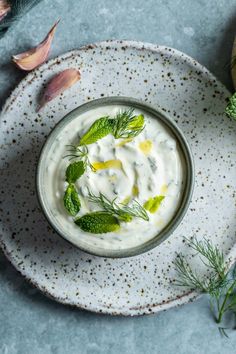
x=151 y=162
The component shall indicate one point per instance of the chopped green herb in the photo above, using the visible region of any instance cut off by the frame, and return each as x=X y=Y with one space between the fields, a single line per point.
x=127 y=125
x=98 y=130
x=74 y=171
x=98 y=222
x=219 y=283
x=230 y=110
x=79 y=152
x=71 y=200
x=122 y=212
x=124 y=125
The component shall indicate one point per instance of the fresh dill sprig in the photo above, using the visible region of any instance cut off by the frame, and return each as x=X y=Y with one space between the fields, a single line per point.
x=218 y=284
x=76 y=152
x=124 y=125
x=127 y=125
x=187 y=277
x=123 y=212
x=79 y=152
x=136 y=210
x=215 y=257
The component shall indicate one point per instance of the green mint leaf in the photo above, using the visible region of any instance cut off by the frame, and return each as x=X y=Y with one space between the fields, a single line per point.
x=153 y=204
x=71 y=200
x=74 y=171
x=98 y=222
x=230 y=110
x=98 y=130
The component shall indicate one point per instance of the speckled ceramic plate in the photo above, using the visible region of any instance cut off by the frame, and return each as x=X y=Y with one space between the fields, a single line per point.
x=166 y=79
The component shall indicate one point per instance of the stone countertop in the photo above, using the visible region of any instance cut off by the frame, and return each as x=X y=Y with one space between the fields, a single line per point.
x=33 y=324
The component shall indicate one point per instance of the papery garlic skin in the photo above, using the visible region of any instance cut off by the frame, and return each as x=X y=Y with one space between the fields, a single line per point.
x=4 y=9
x=58 y=84
x=36 y=56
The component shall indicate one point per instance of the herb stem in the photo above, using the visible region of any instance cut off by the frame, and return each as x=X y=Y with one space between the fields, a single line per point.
x=123 y=212
x=223 y=306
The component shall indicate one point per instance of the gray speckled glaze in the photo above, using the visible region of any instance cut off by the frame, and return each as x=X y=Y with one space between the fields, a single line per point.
x=185 y=153
x=164 y=78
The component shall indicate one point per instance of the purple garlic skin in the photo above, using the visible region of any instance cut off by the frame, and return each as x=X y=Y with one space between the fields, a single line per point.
x=36 y=56
x=58 y=84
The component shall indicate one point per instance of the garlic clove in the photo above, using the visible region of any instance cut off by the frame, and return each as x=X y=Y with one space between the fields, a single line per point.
x=58 y=84
x=36 y=56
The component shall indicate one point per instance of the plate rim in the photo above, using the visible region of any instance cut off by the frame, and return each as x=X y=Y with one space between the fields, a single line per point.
x=187 y=297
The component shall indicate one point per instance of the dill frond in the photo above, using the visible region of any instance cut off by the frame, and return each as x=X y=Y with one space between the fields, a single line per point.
x=123 y=212
x=218 y=284
x=127 y=125
x=213 y=257
x=79 y=152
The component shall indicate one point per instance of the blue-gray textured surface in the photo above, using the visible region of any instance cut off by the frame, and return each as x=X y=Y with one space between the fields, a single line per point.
x=29 y=322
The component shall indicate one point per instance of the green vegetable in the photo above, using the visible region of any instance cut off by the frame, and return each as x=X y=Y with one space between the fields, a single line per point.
x=153 y=204
x=137 y=122
x=100 y=128
x=127 y=125
x=98 y=222
x=122 y=212
x=123 y=216
x=71 y=200
x=230 y=110
x=74 y=171
x=79 y=152
x=220 y=283
x=136 y=210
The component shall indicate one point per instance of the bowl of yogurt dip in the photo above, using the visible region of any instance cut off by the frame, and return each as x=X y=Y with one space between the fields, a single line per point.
x=115 y=177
